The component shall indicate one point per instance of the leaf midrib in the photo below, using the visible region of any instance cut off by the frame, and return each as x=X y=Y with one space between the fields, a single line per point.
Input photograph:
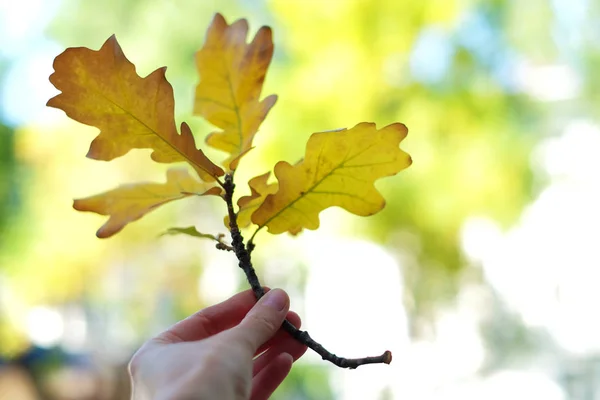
x=235 y=109
x=182 y=154
x=309 y=190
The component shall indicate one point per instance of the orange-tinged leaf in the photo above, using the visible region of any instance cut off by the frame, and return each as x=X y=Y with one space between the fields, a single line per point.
x=102 y=89
x=129 y=203
x=248 y=204
x=339 y=169
x=231 y=80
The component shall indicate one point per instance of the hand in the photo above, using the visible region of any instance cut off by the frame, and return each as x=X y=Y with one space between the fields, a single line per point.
x=210 y=355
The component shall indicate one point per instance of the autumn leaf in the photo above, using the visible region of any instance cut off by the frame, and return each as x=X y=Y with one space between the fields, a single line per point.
x=129 y=203
x=339 y=169
x=190 y=231
x=248 y=204
x=102 y=89
x=232 y=73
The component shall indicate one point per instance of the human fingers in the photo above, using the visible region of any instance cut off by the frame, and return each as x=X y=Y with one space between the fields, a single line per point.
x=265 y=383
x=281 y=334
x=211 y=320
x=262 y=322
x=289 y=345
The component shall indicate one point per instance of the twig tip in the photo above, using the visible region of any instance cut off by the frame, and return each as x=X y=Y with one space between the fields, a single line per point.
x=387 y=357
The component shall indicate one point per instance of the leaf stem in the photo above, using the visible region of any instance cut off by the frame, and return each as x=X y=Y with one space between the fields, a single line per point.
x=220 y=183
x=254 y=234
x=245 y=263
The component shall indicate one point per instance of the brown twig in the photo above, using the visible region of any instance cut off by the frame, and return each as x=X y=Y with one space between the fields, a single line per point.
x=237 y=241
x=221 y=245
x=245 y=263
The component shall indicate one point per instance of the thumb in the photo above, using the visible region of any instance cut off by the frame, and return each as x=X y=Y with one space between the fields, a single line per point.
x=263 y=320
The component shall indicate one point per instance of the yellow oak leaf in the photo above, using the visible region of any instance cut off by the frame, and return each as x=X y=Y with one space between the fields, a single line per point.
x=129 y=203
x=339 y=169
x=101 y=89
x=248 y=204
x=232 y=73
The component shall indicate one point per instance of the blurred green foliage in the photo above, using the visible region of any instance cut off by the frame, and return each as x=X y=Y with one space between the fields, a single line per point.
x=9 y=193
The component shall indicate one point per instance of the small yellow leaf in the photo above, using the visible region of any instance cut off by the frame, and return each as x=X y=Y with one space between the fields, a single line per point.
x=102 y=89
x=248 y=204
x=129 y=203
x=232 y=73
x=191 y=231
x=339 y=169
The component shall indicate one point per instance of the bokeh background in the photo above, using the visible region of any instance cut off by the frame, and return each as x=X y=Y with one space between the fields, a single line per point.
x=481 y=274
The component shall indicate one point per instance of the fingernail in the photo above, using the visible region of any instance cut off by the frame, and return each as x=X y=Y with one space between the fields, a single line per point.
x=276 y=299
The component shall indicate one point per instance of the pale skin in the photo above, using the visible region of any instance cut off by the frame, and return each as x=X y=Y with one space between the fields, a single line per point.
x=233 y=350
